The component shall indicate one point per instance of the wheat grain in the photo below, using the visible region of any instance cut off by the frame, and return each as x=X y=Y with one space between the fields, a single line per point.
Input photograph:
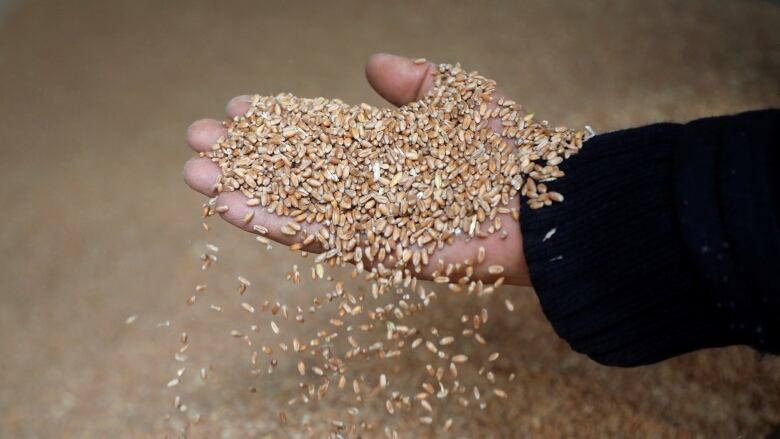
x=384 y=190
x=495 y=269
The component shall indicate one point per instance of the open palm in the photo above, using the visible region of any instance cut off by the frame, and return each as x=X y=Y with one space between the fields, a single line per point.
x=400 y=81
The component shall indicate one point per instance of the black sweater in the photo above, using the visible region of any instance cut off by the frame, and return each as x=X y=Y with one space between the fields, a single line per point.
x=668 y=241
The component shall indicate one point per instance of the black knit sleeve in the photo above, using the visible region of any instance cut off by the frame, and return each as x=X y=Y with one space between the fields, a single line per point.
x=668 y=241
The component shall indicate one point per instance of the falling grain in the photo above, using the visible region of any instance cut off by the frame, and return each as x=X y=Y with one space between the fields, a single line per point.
x=500 y=393
x=244 y=281
x=384 y=190
x=460 y=358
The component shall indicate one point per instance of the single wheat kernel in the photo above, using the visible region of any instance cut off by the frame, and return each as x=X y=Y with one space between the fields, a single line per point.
x=495 y=269
x=481 y=255
x=500 y=393
x=460 y=358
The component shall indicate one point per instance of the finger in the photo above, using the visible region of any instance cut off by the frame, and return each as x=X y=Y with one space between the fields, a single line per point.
x=238 y=106
x=247 y=217
x=201 y=174
x=204 y=133
x=401 y=80
x=398 y=79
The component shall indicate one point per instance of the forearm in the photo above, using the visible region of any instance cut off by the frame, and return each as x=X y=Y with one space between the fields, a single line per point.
x=653 y=253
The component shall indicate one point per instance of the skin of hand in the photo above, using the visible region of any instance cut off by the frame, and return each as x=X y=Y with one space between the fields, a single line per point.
x=399 y=80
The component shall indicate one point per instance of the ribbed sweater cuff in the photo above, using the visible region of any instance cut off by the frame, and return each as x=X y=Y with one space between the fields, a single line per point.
x=617 y=226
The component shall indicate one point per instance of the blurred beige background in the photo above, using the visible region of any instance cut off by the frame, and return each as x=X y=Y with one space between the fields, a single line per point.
x=97 y=224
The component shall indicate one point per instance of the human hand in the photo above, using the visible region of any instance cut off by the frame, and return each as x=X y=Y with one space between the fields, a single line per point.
x=400 y=81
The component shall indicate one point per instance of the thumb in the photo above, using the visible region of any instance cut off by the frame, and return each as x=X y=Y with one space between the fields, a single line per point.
x=398 y=79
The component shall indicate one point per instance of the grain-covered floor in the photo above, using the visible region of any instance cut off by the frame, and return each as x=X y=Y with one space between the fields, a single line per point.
x=97 y=224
